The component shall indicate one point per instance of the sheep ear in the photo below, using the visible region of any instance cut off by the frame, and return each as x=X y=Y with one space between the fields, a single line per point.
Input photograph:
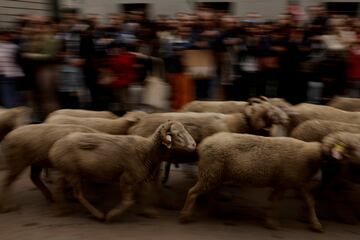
x=132 y=119
x=264 y=98
x=254 y=100
x=166 y=134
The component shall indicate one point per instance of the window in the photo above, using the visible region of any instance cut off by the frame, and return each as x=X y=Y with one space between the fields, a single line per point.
x=218 y=6
x=347 y=8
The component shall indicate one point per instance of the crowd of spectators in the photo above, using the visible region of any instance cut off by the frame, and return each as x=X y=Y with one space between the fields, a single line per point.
x=80 y=62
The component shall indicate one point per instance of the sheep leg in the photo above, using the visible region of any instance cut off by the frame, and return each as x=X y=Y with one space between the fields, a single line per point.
x=47 y=175
x=60 y=202
x=148 y=199
x=35 y=176
x=127 y=192
x=310 y=203
x=78 y=194
x=5 y=191
x=150 y=196
x=275 y=198
x=166 y=173
x=194 y=192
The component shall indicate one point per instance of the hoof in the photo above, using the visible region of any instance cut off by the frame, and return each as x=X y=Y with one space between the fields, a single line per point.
x=271 y=224
x=185 y=218
x=317 y=228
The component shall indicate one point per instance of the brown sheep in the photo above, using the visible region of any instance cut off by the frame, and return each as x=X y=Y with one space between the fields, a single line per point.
x=346 y=104
x=116 y=126
x=316 y=130
x=280 y=163
x=29 y=146
x=84 y=113
x=201 y=125
x=132 y=160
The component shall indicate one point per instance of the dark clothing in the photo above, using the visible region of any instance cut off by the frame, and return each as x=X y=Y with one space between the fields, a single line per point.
x=88 y=53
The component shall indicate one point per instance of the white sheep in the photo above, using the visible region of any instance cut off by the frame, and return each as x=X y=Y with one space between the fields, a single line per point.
x=29 y=146
x=84 y=113
x=131 y=160
x=280 y=163
x=116 y=126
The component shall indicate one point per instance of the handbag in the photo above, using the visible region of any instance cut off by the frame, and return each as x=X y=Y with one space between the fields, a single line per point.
x=200 y=64
x=156 y=92
x=106 y=77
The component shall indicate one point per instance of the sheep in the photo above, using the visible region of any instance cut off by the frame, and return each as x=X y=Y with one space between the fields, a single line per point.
x=279 y=102
x=346 y=104
x=316 y=130
x=201 y=125
x=281 y=163
x=131 y=160
x=312 y=111
x=305 y=111
x=225 y=107
x=84 y=113
x=29 y=146
x=229 y=107
x=112 y=126
x=135 y=114
x=12 y=118
x=338 y=183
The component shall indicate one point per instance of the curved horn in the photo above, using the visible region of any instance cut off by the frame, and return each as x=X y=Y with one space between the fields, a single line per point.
x=264 y=98
x=254 y=100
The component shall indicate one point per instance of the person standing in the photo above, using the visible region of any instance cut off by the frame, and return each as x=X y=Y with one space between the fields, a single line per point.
x=10 y=71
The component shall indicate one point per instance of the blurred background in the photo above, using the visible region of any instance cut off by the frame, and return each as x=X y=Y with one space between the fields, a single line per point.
x=160 y=54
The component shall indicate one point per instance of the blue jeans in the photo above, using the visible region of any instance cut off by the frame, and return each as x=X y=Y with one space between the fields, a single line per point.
x=9 y=95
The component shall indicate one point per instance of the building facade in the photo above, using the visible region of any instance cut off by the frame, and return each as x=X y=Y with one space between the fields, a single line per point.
x=269 y=9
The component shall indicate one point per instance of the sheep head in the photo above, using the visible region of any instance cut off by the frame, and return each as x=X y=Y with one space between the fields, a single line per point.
x=264 y=115
x=345 y=149
x=174 y=135
x=255 y=100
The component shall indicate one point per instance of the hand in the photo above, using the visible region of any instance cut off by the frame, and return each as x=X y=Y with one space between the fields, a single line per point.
x=231 y=41
x=201 y=44
x=209 y=33
x=77 y=62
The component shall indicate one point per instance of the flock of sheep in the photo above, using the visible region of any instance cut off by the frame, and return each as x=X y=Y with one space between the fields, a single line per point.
x=266 y=143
